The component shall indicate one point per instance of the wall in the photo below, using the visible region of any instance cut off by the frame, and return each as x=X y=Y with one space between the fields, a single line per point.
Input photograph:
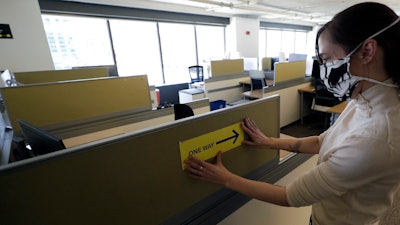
x=28 y=50
x=242 y=36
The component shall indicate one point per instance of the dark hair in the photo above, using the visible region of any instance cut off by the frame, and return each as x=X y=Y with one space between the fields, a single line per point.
x=355 y=24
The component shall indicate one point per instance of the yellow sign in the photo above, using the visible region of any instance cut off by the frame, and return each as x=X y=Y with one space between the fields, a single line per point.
x=208 y=145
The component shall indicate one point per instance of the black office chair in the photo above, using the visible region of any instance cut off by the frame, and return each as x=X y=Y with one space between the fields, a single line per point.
x=182 y=111
x=196 y=73
x=257 y=78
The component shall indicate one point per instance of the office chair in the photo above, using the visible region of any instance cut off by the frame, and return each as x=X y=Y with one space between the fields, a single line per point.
x=182 y=111
x=196 y=73
x=257 y=78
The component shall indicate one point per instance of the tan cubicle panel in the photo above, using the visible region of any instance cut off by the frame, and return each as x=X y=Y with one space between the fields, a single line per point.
x=289 y=70
x=266 y=63
x=135 y=178
x=48 y=76
x=52 y=103
x=129 y=123
x=227 y=67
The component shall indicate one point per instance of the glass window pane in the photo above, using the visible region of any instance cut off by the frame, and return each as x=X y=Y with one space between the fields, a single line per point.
x=210 y=45
x=78 y=41
x=287 y=42
x=300 y=42
x=273 y=43
x=178 y=51
x=137 y=49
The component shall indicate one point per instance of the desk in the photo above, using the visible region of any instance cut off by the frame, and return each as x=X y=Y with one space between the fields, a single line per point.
x=337 y=109
x=247 y=81
x=310 y=90
x=191 y=94
x=259 y=93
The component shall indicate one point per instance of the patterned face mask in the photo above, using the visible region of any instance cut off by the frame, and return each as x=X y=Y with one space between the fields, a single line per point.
x=336 y=74
x=337 y=78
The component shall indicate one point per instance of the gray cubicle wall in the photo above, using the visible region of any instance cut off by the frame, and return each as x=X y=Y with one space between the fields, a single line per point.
x=135 y=178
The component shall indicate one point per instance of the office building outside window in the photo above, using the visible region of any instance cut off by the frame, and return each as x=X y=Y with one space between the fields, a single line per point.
x=78 y=41
x=162 y=51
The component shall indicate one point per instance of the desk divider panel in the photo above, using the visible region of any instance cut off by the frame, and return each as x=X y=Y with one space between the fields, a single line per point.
x=227 y=67
x=134 y=178
x=52 y=103
x=289 y=70
x=49 y=76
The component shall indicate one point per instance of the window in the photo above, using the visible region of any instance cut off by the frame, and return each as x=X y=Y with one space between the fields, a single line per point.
x=178 y=48
x=210 y=46
x=78 y=41
x=162 y=51
x=273 y=41
x=136 y=49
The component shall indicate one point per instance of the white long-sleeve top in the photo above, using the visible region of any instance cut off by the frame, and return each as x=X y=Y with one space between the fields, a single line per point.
x=358 y=168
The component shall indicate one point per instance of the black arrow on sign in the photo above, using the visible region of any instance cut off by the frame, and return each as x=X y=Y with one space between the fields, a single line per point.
x=236 y=135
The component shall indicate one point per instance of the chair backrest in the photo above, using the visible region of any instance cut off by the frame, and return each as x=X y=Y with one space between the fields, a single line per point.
x=257 y=83
x=182 y=111
x=257 y=79
x=196 y=73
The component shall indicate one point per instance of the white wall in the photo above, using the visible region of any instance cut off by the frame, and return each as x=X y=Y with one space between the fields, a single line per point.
x=242 y=36
x=28 y=50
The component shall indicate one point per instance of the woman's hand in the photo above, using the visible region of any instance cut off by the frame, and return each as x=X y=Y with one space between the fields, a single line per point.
x=201 y=170
x=257 y=137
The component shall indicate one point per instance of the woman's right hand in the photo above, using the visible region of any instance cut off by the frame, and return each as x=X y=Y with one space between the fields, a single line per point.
x=257 y=137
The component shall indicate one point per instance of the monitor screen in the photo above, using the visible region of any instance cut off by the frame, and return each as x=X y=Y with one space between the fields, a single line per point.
x=169 y=94
x=273 y=61
x=40 y=141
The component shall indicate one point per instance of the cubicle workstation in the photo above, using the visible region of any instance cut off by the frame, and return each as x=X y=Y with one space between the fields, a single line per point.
x=50 y=76
x=225 y=83
x=80 y=112
x=83 y=134
x=76 y=101
x=137 y=177
x=283 y=72
x=289 y=77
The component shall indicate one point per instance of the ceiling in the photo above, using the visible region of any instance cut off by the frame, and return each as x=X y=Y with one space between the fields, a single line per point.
x=307 y=12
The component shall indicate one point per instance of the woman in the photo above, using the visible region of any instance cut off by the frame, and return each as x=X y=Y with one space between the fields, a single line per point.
x=358 y=168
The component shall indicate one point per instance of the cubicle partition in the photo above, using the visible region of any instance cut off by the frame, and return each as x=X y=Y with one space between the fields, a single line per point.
x=285 y=71
x=135 y=178
x=49 y=76
x=227 y=67
x=225 y=81
x=69 y=101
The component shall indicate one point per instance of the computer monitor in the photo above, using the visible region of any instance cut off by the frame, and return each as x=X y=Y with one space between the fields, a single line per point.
x=293 y=57
x=273 y=61
x=250 y=64
x=169 y=94
x=40 y=141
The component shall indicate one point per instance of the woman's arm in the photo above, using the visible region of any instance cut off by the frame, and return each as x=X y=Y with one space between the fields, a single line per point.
x=217 y=173
x=298 y=145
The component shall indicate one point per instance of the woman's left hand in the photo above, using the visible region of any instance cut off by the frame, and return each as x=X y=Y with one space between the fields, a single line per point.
x=202 y=170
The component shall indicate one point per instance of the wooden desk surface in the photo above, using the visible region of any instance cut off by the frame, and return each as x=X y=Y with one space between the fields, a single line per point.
x=308 y=89
x=337 y=109
x=130 y=127
x=247 y=81
x=259 y=93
